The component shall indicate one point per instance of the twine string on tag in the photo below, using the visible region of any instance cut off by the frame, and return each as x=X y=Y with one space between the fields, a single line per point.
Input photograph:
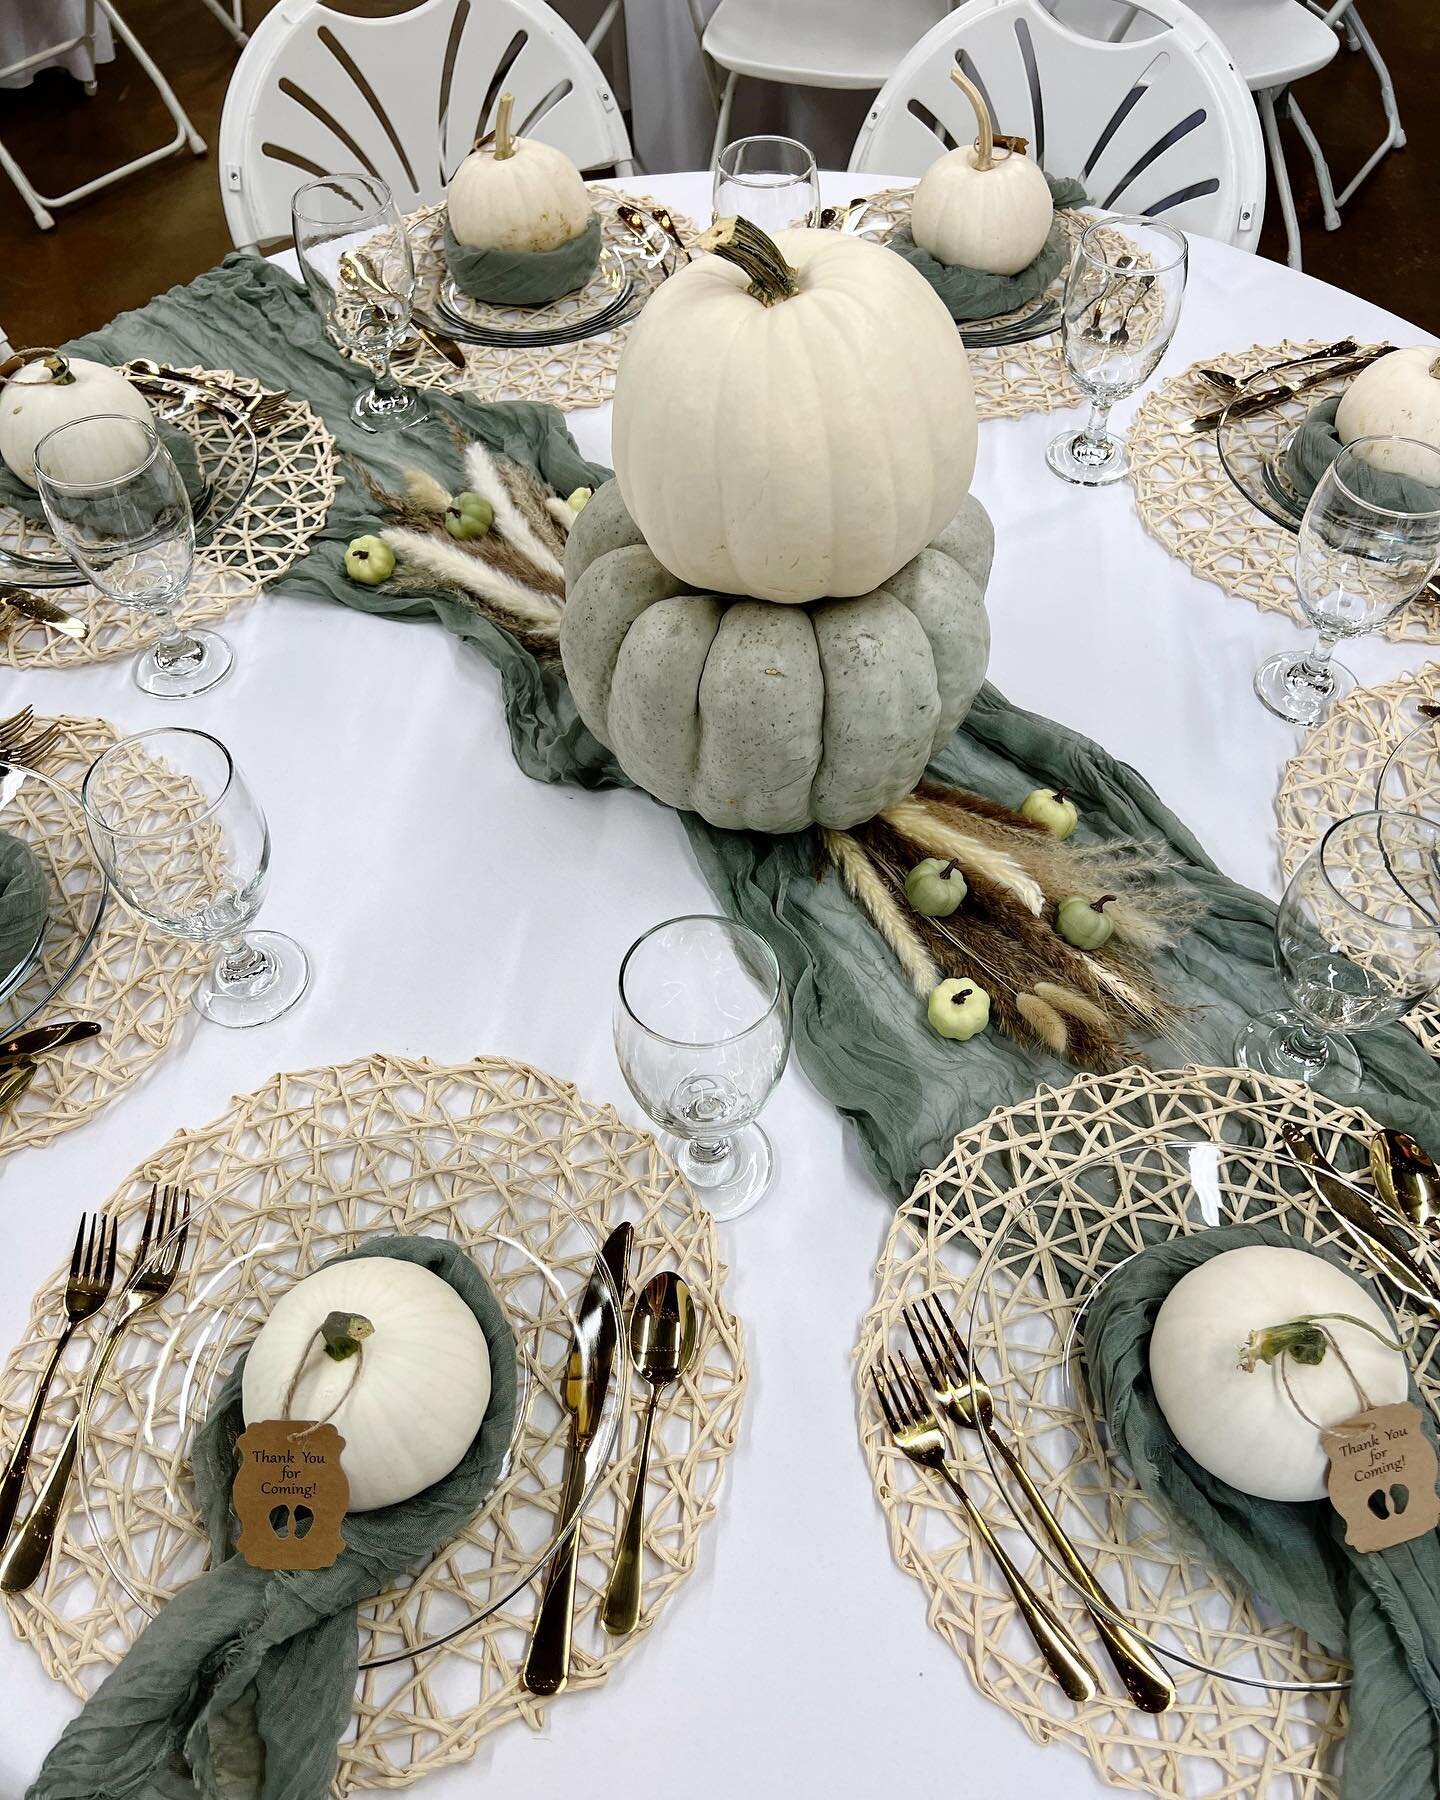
x=343 y=1336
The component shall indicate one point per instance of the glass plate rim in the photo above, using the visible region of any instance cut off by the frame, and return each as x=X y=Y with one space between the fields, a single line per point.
x=1175 y=1147
x=102 y=907
x=601 y=1449
x=1279 y=511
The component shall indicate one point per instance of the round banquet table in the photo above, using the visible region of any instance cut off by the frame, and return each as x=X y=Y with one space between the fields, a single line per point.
x=453 y=907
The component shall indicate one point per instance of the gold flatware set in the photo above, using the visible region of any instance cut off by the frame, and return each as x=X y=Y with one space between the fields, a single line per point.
x=663 y=1333
x=153 y=1269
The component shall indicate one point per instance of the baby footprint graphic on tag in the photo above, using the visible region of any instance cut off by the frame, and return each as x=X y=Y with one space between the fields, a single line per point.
x=1399 y=1496
x=1378 y=1504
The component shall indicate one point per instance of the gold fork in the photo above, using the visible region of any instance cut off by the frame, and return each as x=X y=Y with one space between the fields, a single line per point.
x=14 y=729
x=30 y=750
x=152 y=1273
x=92 y=1275
x=917 y=1433
x=966 y=1401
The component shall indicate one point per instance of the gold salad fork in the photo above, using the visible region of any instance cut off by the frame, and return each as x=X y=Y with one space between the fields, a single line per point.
x=152 y=1273
x=16 y=728
x=967 y=1402
x=92 y=1275
x=917 y=1433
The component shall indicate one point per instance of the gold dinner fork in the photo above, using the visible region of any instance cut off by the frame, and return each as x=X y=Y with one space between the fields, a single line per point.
x=152 y=1273
x=29 y=750
x=14 y=729
x=92 y=1275
x=967 y=1402
x=917 y=1433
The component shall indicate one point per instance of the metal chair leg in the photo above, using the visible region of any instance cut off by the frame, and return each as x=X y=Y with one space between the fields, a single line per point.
x=1322 y=167
x=1279 y=172
x=722 y=121
x=231 y=17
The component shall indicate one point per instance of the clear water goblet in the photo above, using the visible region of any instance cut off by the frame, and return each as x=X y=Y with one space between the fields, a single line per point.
x=702 y=1033
x=1357 y=563
x=1119 y=312
x=186 y=846
x=1357 y=944
x=355 y=256
x=1410 y=779
x=771 y=181
x=124 y=519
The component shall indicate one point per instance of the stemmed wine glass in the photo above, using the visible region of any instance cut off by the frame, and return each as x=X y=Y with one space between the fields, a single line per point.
x=185 y=844
x=702 y=1031
x=1119 y=313
x=355 y=256
x=1357 y=562
x=126 y=523
x=1357 y=943
x=771 y=181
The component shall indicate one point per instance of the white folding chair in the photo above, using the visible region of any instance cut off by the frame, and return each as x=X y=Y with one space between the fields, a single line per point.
x=318 y=93
x=231 y=16
x=43 y=206
x=1343 y=15
x=1161 y=126
x=811 y=43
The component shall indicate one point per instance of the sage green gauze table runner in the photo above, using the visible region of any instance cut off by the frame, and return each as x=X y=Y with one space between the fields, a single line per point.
x=860 y=1033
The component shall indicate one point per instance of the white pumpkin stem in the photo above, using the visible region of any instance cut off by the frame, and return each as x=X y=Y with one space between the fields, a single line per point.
x=747 y=246
x=1435 y=369
x=1306 y=1340
x=61 y=374
x=504 y=142
x=985 y=142
x=343 y=1335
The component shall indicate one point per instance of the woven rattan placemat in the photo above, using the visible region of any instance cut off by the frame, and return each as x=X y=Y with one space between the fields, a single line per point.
x=294 y=484
x=1336 y=772
x=1220 y=1739
x=414 y=1716
x=135 y=980
x=1187 y=501
x=570 y=376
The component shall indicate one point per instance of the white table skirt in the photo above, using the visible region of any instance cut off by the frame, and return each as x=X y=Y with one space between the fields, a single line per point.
x=453 y=907
x=27 y=27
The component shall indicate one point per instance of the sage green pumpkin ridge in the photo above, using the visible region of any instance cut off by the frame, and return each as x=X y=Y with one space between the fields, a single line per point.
x=763 y=717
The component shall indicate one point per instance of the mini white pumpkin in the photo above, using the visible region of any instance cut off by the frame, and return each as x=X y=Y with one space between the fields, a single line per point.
x=50 y=391
x=1242 y=1425
x=420 y=1392
x=793 y=418
x=1397 y=396
x=517 y=193
x=979 y=211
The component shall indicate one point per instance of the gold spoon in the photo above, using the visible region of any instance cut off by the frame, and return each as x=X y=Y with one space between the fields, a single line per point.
x=663 y=1332
x=1406 y=1178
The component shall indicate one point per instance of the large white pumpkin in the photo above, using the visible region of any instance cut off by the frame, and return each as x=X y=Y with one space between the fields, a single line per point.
x=51 y=391
x=1397 y=396
x=792 y=435
x=979 y=210
x=422 y=1387
x=516 y=193
x=1242 y=1426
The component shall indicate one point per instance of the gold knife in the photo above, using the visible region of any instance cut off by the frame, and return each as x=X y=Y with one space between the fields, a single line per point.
x=41 y=611
x=1383 y=1248
x=587 y=1380
x=1260 y=400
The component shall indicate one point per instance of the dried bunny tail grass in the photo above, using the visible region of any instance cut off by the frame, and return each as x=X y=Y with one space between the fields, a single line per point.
x=922 y=826
x=487 y=579
x=867 y=885
x=1045 y=1021
x=425 y=491
x=487 y=478
x=1075 y=1006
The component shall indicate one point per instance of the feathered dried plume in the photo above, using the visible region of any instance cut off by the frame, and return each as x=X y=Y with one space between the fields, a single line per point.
x=425 y=491
x=514 y=519
x=936 y=836
x=494 y=578
x=864 y=882
x=562 y=512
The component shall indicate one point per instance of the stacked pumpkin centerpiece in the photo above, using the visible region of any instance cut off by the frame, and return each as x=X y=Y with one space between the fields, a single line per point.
x=775 y=612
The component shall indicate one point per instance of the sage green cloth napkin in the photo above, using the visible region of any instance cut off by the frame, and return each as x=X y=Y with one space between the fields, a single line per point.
x=523 y=277
x=242 y=1686
x=18 y=496
x=1380 y=1613
x=1317 y=443
x=24 y=904
x=860 y=1033
x=971 y=294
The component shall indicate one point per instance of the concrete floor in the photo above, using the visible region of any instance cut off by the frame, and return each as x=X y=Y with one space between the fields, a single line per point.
x=165 y=225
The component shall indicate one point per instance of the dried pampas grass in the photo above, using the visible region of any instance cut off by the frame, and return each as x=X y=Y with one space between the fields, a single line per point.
x=496 y=579
x=937 y=836
x=520 y=515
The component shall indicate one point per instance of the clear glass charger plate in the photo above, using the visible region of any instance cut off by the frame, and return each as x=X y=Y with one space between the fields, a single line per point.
x=47 y=819
x=225 y=453
x=1254 y=449
x=251 y=1242
x=1027 y=1305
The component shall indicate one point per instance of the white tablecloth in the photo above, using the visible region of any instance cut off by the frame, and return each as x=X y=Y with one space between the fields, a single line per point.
x=27 y=27
x=454 y=907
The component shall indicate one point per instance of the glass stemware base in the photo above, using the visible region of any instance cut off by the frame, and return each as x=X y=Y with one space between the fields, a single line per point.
x=732 y=1182
x=1280 y=1043
x=254 y=983
x=378 y=410
x=1086 y=459
x=189 y=666
x=1301 y=691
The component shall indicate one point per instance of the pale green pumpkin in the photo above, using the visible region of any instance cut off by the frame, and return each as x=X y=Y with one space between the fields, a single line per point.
x=1083 y=923
x=958 y=1009
x=765 y=717
x=935 y=887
